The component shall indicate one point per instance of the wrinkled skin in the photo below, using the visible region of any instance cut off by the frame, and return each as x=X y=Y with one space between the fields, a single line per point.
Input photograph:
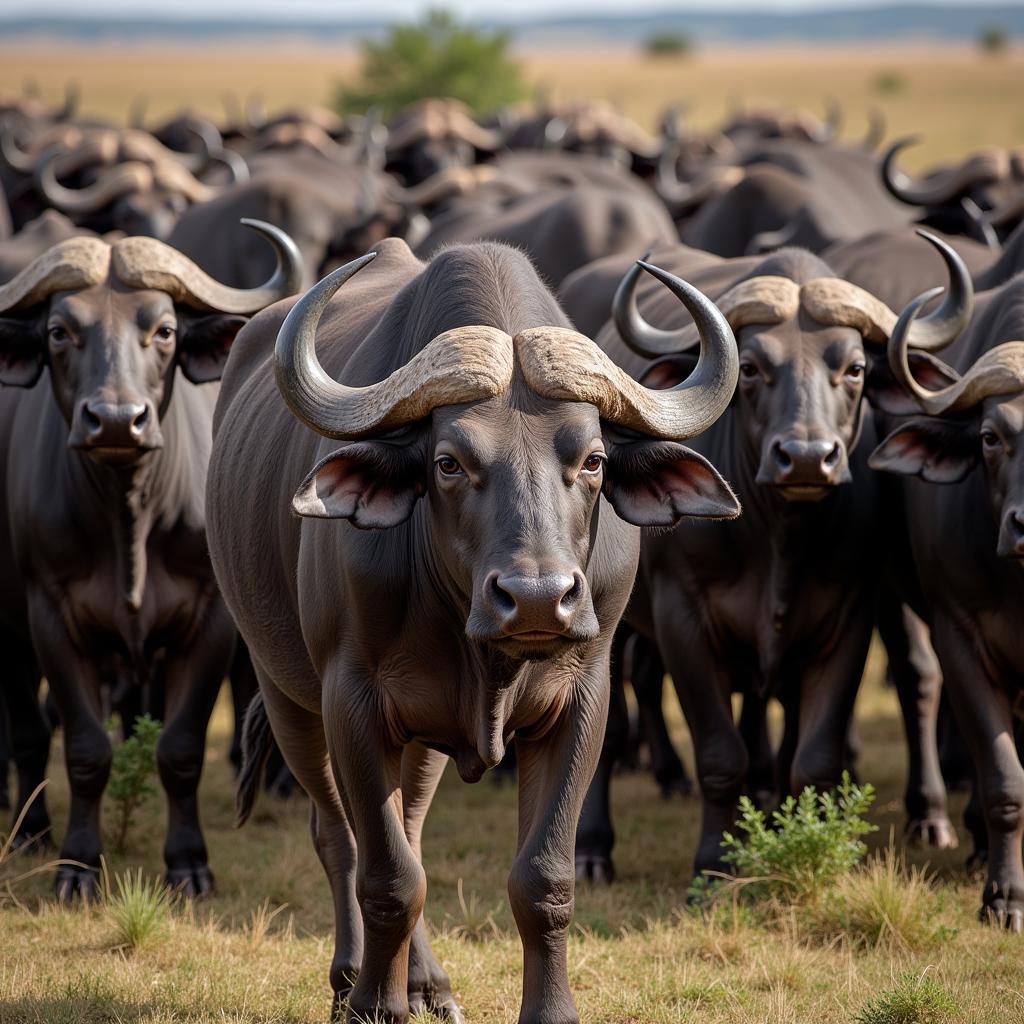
x=106 y=581
x=780 y=603
x=479 y=605
x=967 y=541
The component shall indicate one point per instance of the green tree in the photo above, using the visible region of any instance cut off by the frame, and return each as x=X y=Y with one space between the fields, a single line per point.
x=437 y=57
x=668 y=44
x=994 y=39
x=131 y=776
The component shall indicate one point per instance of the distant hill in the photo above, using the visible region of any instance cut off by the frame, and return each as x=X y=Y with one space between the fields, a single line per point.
x=897 y=23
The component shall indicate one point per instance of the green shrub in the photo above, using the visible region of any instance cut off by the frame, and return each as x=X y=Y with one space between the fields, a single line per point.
x=889 y=83
x=911 y=1000
x=813 y=840
x=668 y=44
x=438 y=57
x=139 y=909
x=131 y=776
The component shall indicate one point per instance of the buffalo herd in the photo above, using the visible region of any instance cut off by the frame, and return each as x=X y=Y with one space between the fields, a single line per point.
x=429 y=436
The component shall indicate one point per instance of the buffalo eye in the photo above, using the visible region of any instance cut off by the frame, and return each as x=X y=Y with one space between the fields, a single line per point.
x=748 y=371
x=447 y=466
x=855 y=371
x=165 y=333
x=990 y=440
x=593 y=463
x=58 y=336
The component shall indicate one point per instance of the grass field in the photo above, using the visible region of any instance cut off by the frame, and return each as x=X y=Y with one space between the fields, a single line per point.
x=954 y=96
x=636 y=954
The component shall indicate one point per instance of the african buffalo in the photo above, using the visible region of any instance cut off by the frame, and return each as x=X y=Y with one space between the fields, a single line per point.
x=104 y=574
x=422 y=630
x=781 y=603
x=967 y=542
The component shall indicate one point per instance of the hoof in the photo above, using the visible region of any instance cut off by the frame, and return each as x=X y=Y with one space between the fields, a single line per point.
x=1002 y=915
x=80 y=882
x=192 y=882
x=438 y=1004
x=937 y=832
x=595 y=868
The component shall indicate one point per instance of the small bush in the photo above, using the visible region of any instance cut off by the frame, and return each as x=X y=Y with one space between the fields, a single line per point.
x=911 y=1000
x=993 y=39
x=668 y=44
x=813 y=840
x=883 y=904
x=889 y=83
x=131 y=776
x=438 y=57
x=139 y=909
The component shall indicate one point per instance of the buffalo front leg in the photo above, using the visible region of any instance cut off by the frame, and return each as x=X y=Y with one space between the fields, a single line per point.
x=554 y=773
x=193 y=681
x=390 y=883
x=983 y=712
x=75 y=686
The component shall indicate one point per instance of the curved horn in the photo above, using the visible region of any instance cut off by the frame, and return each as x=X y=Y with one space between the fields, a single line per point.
x=147 y=263
x=17 y=159
x=562 y=364
x=876 y=131
x=233 y=161
x=979 y=226
x=75 y=263
x=128 y=177
x=452 y=181
x=462 y=365
x=985 y=166
x=834 y=301
x=643 y=338
x=999 y=371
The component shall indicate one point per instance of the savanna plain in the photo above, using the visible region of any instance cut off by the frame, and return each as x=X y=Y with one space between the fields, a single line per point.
x=910 y=950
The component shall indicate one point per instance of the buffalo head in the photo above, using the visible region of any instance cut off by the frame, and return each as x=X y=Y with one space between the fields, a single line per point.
x=511 y=441
x=977 y=418
x=111 y=323
x=806 y=343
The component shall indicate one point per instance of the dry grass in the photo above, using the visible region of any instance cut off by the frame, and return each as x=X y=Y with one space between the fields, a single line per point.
x=955 y=96
x=636 y=956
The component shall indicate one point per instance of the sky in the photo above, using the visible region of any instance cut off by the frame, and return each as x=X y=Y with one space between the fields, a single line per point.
x=360 y=10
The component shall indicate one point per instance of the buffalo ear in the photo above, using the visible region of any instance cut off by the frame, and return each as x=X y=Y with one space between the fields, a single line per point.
x=933 y=449
x=887 y=396
x=668 y=371
x=372 y=484
x=22 y=353
x=656 y=483
x=204 y=347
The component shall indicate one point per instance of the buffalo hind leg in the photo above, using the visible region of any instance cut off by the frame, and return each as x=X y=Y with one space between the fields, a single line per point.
x=648 y=679
x=300 y=736
x=390 y=883
x=430 y=989
x=554 y=772
x=595 y=833
x=983 y=712
x=918 y=681
x=29 y=748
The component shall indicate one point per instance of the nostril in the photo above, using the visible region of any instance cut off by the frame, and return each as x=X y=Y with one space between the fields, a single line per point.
x=831 y=460
x=139 y=420
x=93 y=424
x=502 y=599
x=572 y=593
x=781 y=456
